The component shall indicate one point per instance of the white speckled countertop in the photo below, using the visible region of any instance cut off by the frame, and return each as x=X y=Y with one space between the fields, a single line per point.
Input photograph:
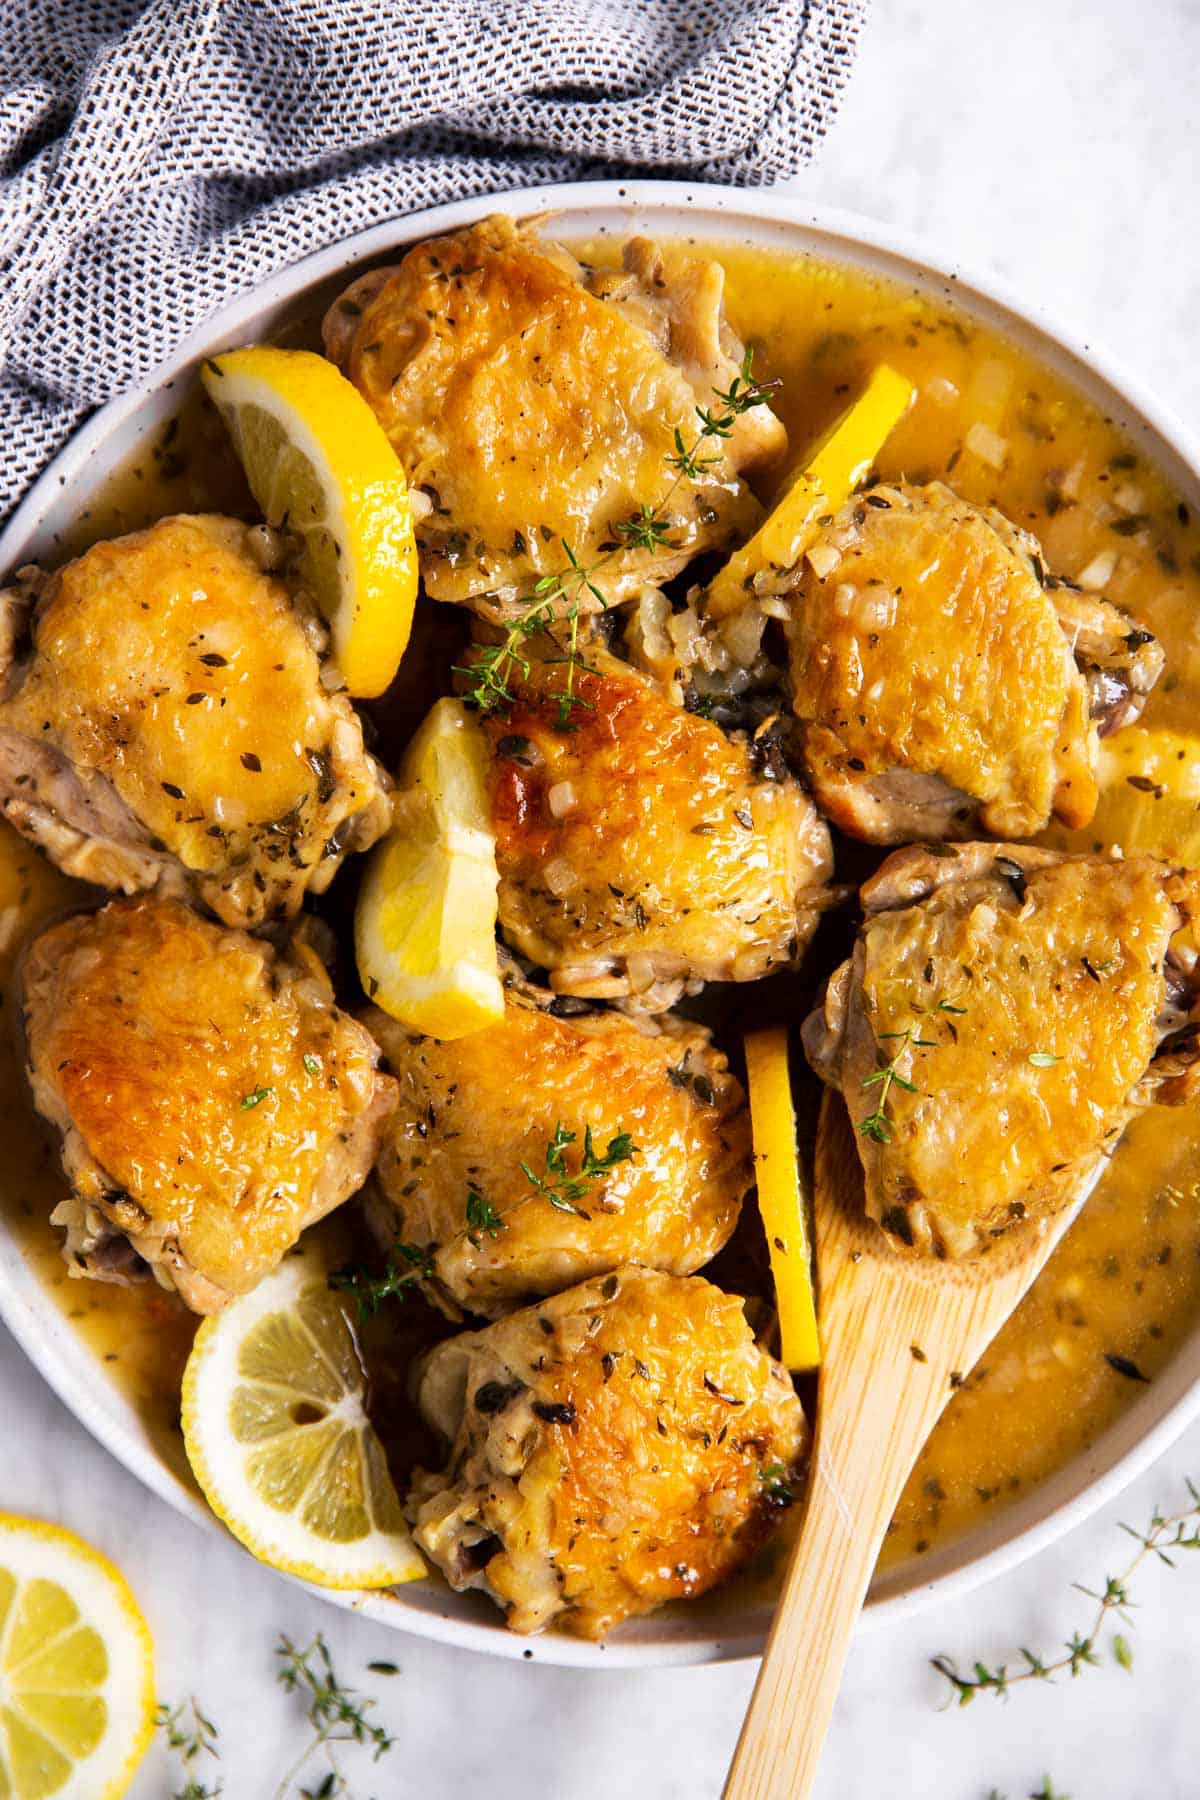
x=1057 y=142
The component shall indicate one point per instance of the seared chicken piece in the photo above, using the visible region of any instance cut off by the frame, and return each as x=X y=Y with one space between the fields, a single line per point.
x=945 y=684
x=212 y=1099
x=169 y=728
x=641 y=850
x=472 y=1112
x=536 y=404
x=608 y=1451
x=1004 y=1012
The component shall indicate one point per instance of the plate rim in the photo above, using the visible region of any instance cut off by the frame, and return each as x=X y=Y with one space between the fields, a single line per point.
x=1145 y=1430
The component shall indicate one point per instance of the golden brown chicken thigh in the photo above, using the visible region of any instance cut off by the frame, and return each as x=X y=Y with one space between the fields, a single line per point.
x=944 y=682
x=1004 y=1012
x=169 y=727
x=212 y=1099
x=535 y=403
x=642 y=850
x=475 y=1114
x=623 y=1444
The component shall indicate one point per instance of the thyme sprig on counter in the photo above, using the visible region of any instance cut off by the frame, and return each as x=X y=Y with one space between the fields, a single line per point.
x=337 y=1715
x=647 y=529
x=1047 y=1791
x=1163 y=1535
x=191 y=1735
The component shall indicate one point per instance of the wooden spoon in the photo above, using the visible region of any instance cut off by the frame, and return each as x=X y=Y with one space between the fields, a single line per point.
x=898 y=1334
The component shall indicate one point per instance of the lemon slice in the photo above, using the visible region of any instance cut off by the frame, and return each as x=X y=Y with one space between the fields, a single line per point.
x=318 y=462
x=278 y=1437
x=76 y=1669
x=425 y=927
x=780 y=1199
x=1150 y=794
x=828 y=476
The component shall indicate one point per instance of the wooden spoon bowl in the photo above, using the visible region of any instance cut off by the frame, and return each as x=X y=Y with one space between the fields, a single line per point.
x=898 y=1335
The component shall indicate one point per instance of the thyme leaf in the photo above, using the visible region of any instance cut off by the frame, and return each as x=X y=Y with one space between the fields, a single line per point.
x=878 y=1124
x=482 y=1218
x=1162 y=1537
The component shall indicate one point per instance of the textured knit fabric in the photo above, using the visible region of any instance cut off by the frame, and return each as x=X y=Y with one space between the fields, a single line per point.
x=157 y=158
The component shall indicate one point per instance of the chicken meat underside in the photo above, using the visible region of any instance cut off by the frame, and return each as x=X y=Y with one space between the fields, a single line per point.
x=1027 y=1002
x=944 y=681
x=534 y=402
x=643 y=851
x=167 y=727
x=607 y=1450
x=474 y=1113
x=212 y=1101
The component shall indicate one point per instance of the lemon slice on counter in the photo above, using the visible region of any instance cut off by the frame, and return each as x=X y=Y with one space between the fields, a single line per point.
x=277 y=1434
x=425 y=926
x=318 y=462
x=781 y=1202
x=1149 y=794
x=76 y=1669
x=827 y=478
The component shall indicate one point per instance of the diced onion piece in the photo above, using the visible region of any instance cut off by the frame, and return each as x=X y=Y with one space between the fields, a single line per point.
x=1099 y=572
x=844 y=596
x=941 y=391
x=823 y=559
x=1072 y=481
x=562 y=799
x=987 y=445
x=1129 y=497
x=781 y=1201
x=560 y=877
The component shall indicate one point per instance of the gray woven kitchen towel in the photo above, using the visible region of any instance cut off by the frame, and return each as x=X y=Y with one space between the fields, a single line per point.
x=156 y=158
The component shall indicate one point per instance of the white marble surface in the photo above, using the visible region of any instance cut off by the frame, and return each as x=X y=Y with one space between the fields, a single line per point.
x=1056 y=141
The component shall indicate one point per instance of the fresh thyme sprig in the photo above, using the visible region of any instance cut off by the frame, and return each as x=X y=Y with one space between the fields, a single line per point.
x=647 y=529
x=337 y=1714
x=1163 y=1535
x=564 y=1190
x=191 y=1735
x=482 y=1218
x=407 y=1266
x=1047 y=1791
x=878 y=1124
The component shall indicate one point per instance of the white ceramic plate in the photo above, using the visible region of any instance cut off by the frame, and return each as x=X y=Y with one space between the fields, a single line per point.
x=717 y=1628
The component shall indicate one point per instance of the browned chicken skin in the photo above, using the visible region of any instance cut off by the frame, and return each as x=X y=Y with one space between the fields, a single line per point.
x=944 y=682
x=212 y=1099
x=641 y=850
x=1028 y=1002
x=473 y=1111
x=536 y=404
x=169 y=727
x=610 y=1450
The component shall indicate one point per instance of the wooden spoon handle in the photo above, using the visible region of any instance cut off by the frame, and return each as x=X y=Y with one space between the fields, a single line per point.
x=870 y=1431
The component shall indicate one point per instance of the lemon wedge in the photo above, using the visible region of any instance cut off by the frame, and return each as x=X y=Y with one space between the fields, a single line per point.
x=828 y=476
x=425 y=925
x=1149 y=794
x=318 y=462
x=76 y=1669
x=780 y=1198
x=278 y=1437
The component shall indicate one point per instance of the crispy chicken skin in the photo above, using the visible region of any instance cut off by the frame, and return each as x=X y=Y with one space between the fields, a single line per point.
x=1032 y=1001
x=535 y=403
x=168 y=727
x=472 y=1111
x=212 y=1099
x=641 y=850
x=945 y=684
x=608 y=1450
